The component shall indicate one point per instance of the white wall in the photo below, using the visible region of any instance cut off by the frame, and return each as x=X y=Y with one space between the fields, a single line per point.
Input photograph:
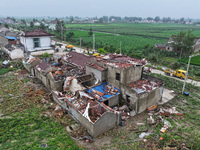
x=45 y=43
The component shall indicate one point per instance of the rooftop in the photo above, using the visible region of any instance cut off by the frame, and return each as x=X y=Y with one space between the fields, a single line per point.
x=36 y=33
x=43 y=66
x=143 y=86
x=121 y=61
x=78 y=58
x=96 y=66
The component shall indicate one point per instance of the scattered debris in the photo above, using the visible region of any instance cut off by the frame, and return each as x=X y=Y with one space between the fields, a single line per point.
x=143 y=134
x=167 y=124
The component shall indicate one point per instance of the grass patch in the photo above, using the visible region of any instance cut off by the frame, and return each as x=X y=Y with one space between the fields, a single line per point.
x=4 y=71
x=22 y=124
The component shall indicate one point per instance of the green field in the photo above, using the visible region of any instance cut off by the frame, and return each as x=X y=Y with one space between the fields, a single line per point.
x=193 y=61
x=133 y=37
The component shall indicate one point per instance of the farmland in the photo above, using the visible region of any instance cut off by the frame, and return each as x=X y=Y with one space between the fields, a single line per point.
x=133 y=37
x=194 y=60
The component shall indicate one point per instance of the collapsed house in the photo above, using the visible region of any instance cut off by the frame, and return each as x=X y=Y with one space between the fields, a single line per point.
x=95 y=116
x=87 y=87
x=14 y=51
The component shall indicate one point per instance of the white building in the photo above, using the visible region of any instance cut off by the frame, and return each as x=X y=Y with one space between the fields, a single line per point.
x=37 y=42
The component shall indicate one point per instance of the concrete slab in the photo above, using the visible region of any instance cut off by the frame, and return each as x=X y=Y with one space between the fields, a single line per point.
x=167 y=96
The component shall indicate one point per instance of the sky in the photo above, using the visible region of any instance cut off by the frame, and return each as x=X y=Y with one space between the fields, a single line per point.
x=92 y=8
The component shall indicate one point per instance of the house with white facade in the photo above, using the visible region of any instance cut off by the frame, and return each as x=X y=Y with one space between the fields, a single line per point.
x=37 y=42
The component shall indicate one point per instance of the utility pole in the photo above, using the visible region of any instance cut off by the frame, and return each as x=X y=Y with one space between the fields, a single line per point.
x=120 y=48
x=93 y=42
x=187 y=71
x=80 y=44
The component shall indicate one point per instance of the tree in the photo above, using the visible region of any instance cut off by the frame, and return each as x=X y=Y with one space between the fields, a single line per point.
x=157 y=18
x=149 y=18
x=23 y=21
x=101 y=20
x=90 y=32
x=31 y=25
x=183 y=43
x=42 y=26
x=71 y=19
x=60 y=29
x=6 y=25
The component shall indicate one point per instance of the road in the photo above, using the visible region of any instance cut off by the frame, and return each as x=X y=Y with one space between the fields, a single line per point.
x=77 y=49
x=196 y=83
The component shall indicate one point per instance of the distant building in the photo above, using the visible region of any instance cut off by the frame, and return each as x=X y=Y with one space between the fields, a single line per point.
x=37 y=42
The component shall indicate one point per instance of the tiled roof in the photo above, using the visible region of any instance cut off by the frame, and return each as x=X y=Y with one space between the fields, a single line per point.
x=36 y=33
x=78 y=58
x=96 y=66
x=43 y=66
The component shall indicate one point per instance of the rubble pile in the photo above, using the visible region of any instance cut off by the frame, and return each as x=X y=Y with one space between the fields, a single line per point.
x=103 y=91
x=95 y=112
x=143 y=86
x=64 y=71
x=156 y=114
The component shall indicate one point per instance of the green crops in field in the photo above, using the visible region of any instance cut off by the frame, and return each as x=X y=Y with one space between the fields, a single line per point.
x=193 y=61
x=134 y=37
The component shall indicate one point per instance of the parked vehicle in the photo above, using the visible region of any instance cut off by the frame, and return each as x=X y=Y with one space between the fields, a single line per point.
x=168 y=72
x=97 y=55
x=69 y=47
x=179 y=73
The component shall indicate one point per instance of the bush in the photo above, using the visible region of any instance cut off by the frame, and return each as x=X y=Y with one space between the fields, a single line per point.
x=101 y=50
x=45 y=55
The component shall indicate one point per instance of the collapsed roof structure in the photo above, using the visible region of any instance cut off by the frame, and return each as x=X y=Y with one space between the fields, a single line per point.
x=90 y=86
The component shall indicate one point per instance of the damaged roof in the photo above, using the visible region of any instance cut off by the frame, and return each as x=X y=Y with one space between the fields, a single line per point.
x=103 y=91
x=36 y=33
x=43 y=66
x=96 y=66
x=143 y=86
x=78 y=58
x=121 y=61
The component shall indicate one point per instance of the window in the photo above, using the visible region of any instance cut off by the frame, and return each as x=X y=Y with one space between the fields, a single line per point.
x=36 y=42
x=179 y=72
x=128 y=99
x=106 y=102
x=118 y=76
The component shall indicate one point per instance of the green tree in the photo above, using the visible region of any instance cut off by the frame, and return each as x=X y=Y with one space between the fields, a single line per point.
x=42 y=26
x=90 y=32
x=60 y=28
x=101 y=20
x=183 y=43
x=6 y=25
x=71 y=19
x=157 y=18
x=31 y=25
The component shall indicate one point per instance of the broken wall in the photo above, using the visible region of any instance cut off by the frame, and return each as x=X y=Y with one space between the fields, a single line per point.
x=112 y=101
x=55 y=85
x=131 y=74
x=130 y=97
x=101 y=75
x=148 y=99
x=127 y=75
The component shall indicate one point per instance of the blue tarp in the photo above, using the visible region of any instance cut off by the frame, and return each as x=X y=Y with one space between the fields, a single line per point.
x=11 y=38
x=101 y=88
